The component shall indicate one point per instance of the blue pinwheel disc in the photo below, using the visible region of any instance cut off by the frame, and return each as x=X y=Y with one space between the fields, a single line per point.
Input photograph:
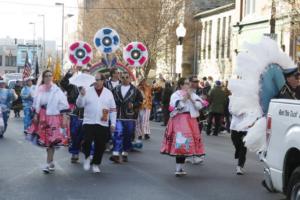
x=107 y=40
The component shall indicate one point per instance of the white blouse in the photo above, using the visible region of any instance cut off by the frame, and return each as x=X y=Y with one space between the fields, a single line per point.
x=44 y=97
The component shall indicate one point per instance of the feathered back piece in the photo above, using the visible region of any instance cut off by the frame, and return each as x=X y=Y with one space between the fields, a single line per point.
x=259 y=71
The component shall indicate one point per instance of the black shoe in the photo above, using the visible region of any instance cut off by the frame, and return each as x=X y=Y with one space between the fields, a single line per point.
x=180 y=173
x=125 y=158
x=74 y=159
x=147 y=137
x=115 y=159
x=208 y=133
x=140 y=137
x=1 y=136
x=215 y=134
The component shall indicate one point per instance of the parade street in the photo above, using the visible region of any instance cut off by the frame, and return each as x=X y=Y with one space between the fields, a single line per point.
x=147 y=175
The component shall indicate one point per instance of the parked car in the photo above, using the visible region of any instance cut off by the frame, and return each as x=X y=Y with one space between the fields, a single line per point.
x=282 y=157
x=11 y=84
x=12 y=76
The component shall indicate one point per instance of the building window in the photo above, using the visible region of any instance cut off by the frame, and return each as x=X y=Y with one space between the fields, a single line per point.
x=0 y=60
x=11 y=61
x=218 y=38
x=223 y=37
x=199 y=39
x=209 y=39
x=249 y=7
x=204 y=42
x=229 y=38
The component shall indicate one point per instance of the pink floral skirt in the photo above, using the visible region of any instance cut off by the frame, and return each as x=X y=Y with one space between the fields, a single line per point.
x=182 y=137
x=48 y=131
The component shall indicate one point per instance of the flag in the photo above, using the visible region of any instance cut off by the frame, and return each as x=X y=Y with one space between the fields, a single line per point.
x=37 y=71
x=27 y=68
x=57 y=71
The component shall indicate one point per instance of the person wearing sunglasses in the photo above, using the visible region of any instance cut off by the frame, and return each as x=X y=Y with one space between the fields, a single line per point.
x=292 y=77
x=50 y=125
x=182 y=137
x=99 y=109
x=114 y=80
x=128 y=100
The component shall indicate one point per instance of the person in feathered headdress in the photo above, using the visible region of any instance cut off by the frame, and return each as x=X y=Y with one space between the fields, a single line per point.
x=288 y=91
x=264 y=72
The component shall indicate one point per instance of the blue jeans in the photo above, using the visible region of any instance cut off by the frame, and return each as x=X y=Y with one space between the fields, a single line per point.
x=157 y=115
x=123 y=136
x=76 y=135
x=5 y=115
x=27 y=117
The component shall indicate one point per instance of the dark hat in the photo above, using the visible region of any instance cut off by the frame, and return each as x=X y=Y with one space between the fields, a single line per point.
x=218 y=83
x=291 y=72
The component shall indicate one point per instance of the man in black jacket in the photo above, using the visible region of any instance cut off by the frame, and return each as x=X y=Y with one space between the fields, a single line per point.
x=128 y=101
x=288 y=91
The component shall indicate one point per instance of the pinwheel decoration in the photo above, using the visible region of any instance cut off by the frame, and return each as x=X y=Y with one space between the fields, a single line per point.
x=135 y=54
x=107 y=40
x=80 y=53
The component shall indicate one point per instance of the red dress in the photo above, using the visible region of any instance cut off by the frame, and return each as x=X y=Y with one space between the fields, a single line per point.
x=182 y=137
x=48 y=131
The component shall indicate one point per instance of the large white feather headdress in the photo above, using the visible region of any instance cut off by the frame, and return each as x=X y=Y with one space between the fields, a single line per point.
x=246 y=90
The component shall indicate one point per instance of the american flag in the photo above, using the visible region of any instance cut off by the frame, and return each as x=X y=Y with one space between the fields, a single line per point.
x=27 y=68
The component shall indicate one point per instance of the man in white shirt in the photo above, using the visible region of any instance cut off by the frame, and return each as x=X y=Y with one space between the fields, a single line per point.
x=99 y=108
x=237 y=135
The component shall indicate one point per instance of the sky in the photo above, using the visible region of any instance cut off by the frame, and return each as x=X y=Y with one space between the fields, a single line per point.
x=15 y=16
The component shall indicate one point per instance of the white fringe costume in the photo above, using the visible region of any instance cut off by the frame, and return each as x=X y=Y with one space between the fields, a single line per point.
x=245 y=98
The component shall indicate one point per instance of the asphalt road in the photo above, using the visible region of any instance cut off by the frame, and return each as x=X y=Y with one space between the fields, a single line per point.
x=148 y=175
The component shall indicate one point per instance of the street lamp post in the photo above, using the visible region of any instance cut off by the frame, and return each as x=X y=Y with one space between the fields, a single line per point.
x=180 y=33
x=33 y=41
x=62 y=31
x=44 y=43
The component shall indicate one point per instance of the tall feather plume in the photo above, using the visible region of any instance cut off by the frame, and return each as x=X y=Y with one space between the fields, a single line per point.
x=244 y=100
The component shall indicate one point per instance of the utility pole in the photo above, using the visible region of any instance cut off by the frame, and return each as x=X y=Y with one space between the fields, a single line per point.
x=273 y=18
x=44 y=43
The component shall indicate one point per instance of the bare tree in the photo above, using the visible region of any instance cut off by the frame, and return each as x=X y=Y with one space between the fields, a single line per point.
x=135 y=20
x=290 y=9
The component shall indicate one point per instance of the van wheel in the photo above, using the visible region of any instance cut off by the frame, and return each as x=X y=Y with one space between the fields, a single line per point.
x=293 y=188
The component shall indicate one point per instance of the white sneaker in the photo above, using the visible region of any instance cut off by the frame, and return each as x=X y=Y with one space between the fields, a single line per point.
x=96 y=169
x=198 y=160
x=239 y=170
x=87 y=164
x=46 y=169
x=189 y=160
x=51 y=167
